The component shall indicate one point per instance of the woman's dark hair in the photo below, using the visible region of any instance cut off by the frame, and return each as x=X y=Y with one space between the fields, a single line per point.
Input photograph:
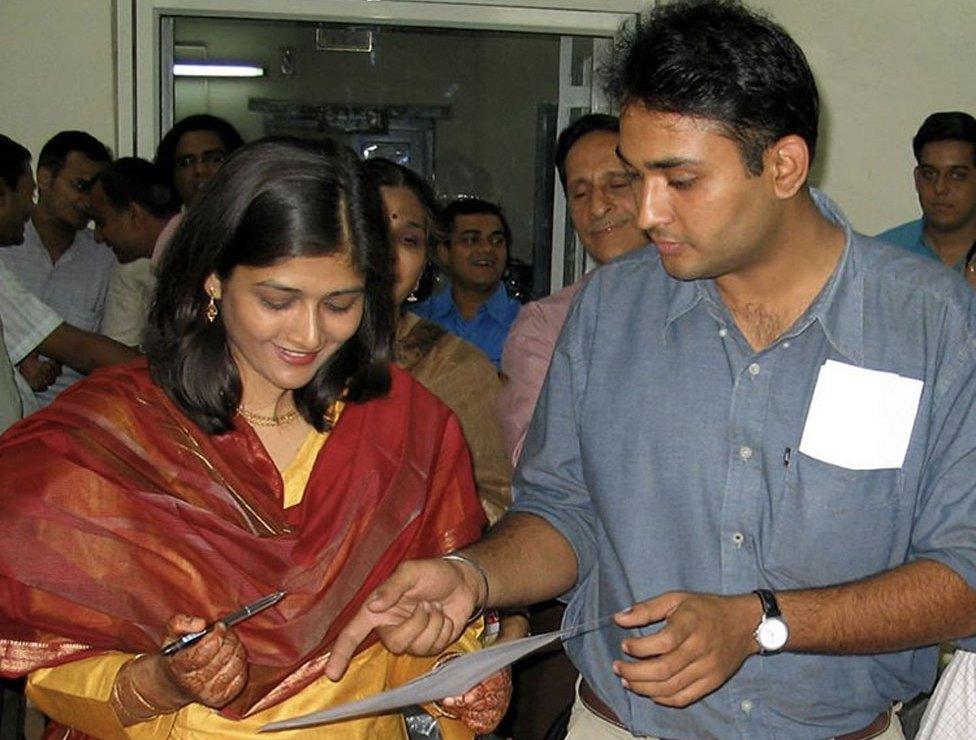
x=717 y=60
x=382 y=172
x=165 y=157
x=271 y=201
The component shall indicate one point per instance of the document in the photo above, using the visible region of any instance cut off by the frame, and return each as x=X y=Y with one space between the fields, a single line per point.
x=449 y=679
x=860 y=419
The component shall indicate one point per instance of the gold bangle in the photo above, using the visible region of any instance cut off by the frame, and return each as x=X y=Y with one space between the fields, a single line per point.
x=460 y=557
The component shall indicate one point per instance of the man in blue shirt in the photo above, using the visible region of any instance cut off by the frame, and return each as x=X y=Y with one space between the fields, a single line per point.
x=945 y=180
x=756 y=445
x=476 y=306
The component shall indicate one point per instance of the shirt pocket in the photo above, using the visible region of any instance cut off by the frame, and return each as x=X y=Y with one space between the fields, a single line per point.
x=832 y=524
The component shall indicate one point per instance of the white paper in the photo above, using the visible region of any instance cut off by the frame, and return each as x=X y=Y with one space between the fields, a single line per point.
x=860 y=419
x=453 y=678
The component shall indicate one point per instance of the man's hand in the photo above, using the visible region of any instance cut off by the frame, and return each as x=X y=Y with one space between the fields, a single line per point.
x=704 y=642
x=39 y=373
x=420 y=609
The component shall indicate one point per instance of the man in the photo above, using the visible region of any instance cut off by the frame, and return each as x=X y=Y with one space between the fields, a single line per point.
x=756 y=445
x=193 y=150
x=131 y=203
x=58 y=260
x=29 y=326
x=945 y=180
x=476 y=307
x=601 y=208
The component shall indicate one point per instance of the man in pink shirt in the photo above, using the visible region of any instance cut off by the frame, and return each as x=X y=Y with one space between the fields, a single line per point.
x=601 y=207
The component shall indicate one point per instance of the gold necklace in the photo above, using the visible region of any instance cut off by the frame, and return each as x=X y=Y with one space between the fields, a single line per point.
x=268 y=421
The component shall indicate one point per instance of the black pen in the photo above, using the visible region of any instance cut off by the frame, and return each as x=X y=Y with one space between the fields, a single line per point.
x=248 y=610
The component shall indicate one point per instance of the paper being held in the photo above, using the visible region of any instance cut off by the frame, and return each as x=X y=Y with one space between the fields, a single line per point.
x=453 y=678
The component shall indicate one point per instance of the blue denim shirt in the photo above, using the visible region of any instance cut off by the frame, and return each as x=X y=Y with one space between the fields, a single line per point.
x=657 y=450
x=911 y=236
x=487 y=330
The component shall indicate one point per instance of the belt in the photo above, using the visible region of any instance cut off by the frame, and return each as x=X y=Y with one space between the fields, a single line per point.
x=596 y=705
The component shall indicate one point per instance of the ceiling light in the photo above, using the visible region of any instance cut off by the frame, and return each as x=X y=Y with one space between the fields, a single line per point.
x=216 y=69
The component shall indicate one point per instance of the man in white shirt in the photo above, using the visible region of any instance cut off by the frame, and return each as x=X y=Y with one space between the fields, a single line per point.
x=58 y=260
x=131 y=203
x=27 y=325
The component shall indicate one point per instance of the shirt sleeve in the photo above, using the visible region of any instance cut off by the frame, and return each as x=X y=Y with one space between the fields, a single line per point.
x=525 y=361
x=124 y=318
x=945 y=521
x=77 y=695
x=549 y=480
x=26 y=320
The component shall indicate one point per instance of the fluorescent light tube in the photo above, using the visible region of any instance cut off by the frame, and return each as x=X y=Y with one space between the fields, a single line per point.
x=216 y=69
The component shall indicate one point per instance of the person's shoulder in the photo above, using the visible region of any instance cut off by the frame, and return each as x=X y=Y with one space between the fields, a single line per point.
x=904 y=235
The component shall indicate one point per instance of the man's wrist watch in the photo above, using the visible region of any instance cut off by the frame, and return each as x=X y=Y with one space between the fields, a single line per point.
x=772 y=632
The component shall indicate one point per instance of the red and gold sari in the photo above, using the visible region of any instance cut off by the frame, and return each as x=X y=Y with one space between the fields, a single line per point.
x=116 y=511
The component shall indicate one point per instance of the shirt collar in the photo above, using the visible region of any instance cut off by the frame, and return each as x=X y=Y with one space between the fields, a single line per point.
x=838 y=308
x=442 y=304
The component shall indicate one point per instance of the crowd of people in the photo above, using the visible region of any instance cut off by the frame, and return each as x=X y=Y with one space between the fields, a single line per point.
x=738 y=457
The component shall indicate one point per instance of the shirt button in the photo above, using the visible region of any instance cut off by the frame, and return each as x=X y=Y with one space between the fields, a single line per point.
x=723 y=332
x=786 y=345
x=738 y=538
x=746 y=706
x=754 y=369
x=745 y=452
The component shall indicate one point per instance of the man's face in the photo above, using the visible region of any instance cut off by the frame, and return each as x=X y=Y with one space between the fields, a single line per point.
x=15 y=208
x=119 y=229
x=601 y=204
x=946 y=183
x=199 y=155
x=695 y=199
x=64 y=197
x=477 y=252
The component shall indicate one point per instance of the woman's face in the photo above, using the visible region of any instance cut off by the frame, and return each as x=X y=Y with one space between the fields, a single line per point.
x=284 y=321
x=407 y=221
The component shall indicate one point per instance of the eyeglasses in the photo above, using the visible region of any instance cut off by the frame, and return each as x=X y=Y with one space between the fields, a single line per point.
x=213 y=157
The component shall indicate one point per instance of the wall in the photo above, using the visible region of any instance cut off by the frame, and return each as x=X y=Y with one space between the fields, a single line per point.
x=882 y=66
x=57 y=64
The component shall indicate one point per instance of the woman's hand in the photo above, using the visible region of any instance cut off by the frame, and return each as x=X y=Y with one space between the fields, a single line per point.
x=211 y=672
x=483 y=707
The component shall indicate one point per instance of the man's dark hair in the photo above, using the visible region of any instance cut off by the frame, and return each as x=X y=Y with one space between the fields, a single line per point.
x=271 y=201
x=474 y=207
x=718 y=61
x=945 y=126
x=577 y=130
x=55 y=153
x=165 y=157
x=134 y=180
x=14 y=161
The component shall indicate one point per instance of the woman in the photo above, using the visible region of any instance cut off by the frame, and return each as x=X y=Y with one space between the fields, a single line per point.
x=267 y=446
x=452 y=369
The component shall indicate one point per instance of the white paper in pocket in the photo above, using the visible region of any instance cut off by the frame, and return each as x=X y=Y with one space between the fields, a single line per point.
x=860 y=419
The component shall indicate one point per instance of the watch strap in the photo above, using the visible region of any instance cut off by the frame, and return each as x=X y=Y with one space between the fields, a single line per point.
x=770 y=605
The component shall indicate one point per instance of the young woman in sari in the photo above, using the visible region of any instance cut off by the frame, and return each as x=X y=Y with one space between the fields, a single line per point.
x=267 y=445
x=452 y=369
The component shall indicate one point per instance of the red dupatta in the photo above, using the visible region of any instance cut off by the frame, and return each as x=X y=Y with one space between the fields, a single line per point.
x=117 y=511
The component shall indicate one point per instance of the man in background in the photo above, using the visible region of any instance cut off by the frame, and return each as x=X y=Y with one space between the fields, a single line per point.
x=945 y=180
x=131 y=203
x=58 y=260
x=476 y=305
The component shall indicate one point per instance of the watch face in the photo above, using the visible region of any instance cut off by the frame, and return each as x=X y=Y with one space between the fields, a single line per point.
x=772 y=634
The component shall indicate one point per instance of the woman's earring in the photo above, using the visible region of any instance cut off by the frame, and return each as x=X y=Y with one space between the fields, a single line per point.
x=211 y=311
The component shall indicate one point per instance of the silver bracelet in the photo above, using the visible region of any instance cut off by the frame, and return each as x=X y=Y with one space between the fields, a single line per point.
x=462 y=558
